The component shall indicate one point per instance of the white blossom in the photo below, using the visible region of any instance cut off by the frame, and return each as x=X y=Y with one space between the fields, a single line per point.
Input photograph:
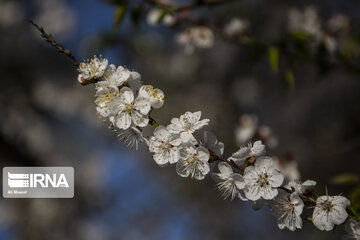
x=193 y=162
x=262 y=180
x=116 y=100
x=92 y=69
x=228 y=182
x=236 y=26
x=153 y=95
x=288 y=167
x=307 y=21
x=266 y=133
x=330 y=210
x=134 y=83
x=103 y=97
x=246 y=129
x=210 y=142
x=249 y=153
x=299 y=187
x=186 y=125
x=338 y=22
x=165 y=146
x=131 y=137
x=109 y=86
x=352 y=228
x=154 y=16
x=113 y=78
x=329 y=43
x=124 y=110
x=199 y=36
x=287 y=208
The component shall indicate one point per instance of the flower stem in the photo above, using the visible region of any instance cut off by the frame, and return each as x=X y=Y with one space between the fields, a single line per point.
x=153 y=122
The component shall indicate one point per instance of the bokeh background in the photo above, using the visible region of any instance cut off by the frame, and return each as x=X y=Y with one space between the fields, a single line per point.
x=48 y=119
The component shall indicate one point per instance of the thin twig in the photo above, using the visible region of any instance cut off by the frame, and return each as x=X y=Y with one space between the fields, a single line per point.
x=306 y=196
x=215 y=157
x=49 y=38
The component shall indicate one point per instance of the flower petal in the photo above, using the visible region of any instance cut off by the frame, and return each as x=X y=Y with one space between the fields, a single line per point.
x=253 y=192
x=238 y=180
x=201 y=123
x=240 y=156
x=162 y=133
x=258 y=149
x=276 y=178
x=160 y=158
x=187 y=137
x=340 y=201
x=181 y=168
x=250 y=175
x=225 y=169
x=127 y=96
x=175 y=126
x=142 y=105
x=203 y=154
x=264 y=164
x=268 y=192
x=322 y=220
x=123 y=120
x=174 y=155
x=339 y=214
x=139 y=119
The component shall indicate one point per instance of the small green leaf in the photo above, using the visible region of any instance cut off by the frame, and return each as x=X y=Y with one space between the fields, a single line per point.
x=289 y=78
x=273 y=55
x=301 y=36
x=345 y=179
x=309 y=219
x=119 y=15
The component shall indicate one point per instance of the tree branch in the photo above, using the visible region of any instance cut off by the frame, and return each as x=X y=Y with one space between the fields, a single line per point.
x=214 y=157
x=307 y=197
x=49 y=38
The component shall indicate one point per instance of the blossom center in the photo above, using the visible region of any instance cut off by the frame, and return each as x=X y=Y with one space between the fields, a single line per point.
x=327 y=206
x=187 y=125
x=192 y=159
x=263 y=180
x=129 y=108
x=165 y=145
x=289 y=207
x=93 y=69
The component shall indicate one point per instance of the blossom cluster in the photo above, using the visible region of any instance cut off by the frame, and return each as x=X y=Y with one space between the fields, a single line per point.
x=333 y=34
x=248 y=174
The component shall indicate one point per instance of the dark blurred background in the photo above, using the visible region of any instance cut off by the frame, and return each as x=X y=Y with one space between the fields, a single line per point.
x=48 y=119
